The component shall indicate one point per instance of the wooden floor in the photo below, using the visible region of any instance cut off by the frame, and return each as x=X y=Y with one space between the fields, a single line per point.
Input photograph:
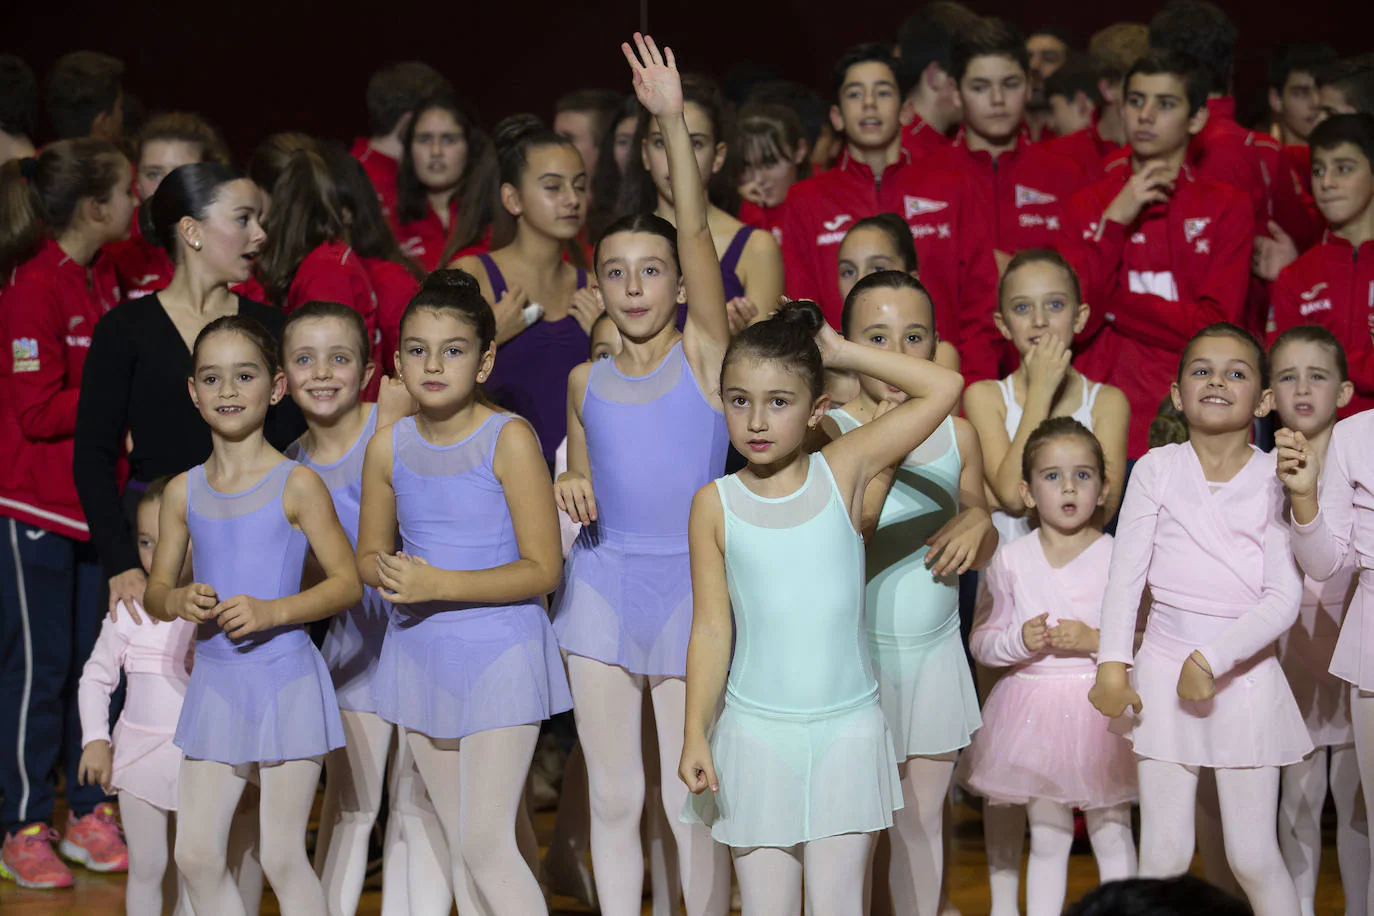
x=96 y=895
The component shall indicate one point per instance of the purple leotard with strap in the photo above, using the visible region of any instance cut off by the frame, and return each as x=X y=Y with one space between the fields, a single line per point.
x=652 y=441
x=354 y=639
x=268 y=696
x=734 y=287
x=531 y=374
x=448 y=668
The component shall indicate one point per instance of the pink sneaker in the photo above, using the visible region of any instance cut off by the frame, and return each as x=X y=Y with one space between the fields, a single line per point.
x=27 y=858
x=96 y=840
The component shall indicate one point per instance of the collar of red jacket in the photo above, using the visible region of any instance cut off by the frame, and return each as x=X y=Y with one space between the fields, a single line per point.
x=852 y=166
x=1023 y=140
x=1222 y=107
x=1342 y=248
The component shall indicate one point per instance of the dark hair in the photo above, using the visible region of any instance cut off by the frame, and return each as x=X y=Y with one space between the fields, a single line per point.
x=1059 y=428
x=1314 y=334
x=883 y=279
x=82 y=85
x=1078 y=74
x=247 y=327
x=766 y=133
x=40 y=196
x=1357 y=129
x=515 y=138
x=638 y=194
x=187 y=128
x=1115 y=49
x=1038 y=256
x=1197 y=80
x=591 y=332
x=1298 y=57
x=1353 y=77
x=989 y=37
x=788 y=337
x=649 y=223
x=456 y=291
x=318 y=309
x=304 y=215
x=475 y=208
x=1226 y=329
x=811 y=108
x=188 y=190
x=600 y=103
x=927 y=37
x=18 y=97
x=395 y=90
x=369 y=233
x=1169 y=426
x=1059 y=33
x=897 y=232
x=1199 y=28
x=1185 y=895
x=607 y=178
x=153 y=492
x=273 y=154
x=870 y=52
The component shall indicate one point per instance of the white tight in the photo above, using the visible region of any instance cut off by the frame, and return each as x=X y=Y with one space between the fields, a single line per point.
x=916 y=866
x=208 y=797
x=1248 y=800
x=1004 y=838
x=146 y=831
x=1301 y=798
x=1051 y=832
x=1362 y=717
x=476 y=784
x=417 y=879
x=834 y=871
x=607 y=703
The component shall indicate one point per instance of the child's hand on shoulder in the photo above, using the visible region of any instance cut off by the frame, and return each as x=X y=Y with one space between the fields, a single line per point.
x=407 y=579
x=697 y=769
x=195 y=602
x=1298 y=465
x=1035 y=632
x=1073 y=636
x=573 y=493
x=1112 y=693
x=1195 y=681
x=243 y=614
x=96 y=767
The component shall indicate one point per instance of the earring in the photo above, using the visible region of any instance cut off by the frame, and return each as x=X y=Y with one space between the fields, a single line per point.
x=196 y=245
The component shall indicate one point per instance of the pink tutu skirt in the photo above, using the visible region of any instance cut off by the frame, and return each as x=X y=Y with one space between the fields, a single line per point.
x=1041 y=738
x=146 y=764
x=1251 y=721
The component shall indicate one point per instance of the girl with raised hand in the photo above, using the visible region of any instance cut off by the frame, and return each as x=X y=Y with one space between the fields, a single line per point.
x=469 y=665
x=260 y=700
x=1203 y=526
x=544 y=309
x=645 y=431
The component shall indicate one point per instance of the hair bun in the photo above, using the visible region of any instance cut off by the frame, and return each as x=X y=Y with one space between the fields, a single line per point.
x=804 y=313
x=515 y=128
x=450 y=279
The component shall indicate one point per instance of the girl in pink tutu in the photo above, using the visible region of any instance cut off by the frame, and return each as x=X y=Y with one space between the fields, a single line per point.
x=1042 y=744
x=1203 y=525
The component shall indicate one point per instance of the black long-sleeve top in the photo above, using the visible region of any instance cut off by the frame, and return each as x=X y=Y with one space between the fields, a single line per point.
x=135 y=379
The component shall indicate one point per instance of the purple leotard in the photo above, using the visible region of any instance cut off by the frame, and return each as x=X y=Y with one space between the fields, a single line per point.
x=354 y=640
x=734 y=286
x=449 y=669
x=531 y=374
x=268 y=696
x=652 y=441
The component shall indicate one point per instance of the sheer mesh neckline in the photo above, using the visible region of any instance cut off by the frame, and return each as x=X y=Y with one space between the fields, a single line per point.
x=805 y=503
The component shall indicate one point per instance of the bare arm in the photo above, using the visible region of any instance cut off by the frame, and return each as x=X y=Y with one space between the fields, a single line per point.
x=986 y=410
x=761 y=271
x=1111 y=423
x=573 y=489
x=163 y=599
x=708 y=652
x=377 y=513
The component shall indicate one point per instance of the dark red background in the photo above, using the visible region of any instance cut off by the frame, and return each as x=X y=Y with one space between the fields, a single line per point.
x=257 y=67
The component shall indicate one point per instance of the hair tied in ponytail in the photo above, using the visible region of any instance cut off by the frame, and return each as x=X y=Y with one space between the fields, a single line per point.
x=28 y=167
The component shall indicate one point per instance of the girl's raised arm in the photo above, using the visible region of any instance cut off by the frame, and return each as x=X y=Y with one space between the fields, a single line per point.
x=377 y=514
x=659 y=89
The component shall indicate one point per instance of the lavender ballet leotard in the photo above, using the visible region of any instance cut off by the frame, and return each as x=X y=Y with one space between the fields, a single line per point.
x=729 y=264
x=531 y=374
x=354 y=639
x=450 y=669
x=652 y=441
x=266 y=697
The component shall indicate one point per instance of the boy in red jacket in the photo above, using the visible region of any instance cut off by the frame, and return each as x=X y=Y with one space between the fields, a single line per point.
x=1162 y=251
x=925 y=45
x=1333 y=284
x=1294 y=103
x=1021 y=184
x=1076 y=102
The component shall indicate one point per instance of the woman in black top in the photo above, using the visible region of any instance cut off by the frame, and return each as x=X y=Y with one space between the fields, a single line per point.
x=206 y=216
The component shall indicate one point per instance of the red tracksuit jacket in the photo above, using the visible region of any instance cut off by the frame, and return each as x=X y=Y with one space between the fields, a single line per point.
x=1294 y=209
x=919 y=138
x=142 y=267
x=382 y=169
x=1178 y=268
x=769 y=219
x=395 y=287
x=47 y=313
x=1025 y=189
x=1088 y=148
x=1333 y=286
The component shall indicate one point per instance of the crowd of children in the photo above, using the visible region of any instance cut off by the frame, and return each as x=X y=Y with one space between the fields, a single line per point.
x=355 y=469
